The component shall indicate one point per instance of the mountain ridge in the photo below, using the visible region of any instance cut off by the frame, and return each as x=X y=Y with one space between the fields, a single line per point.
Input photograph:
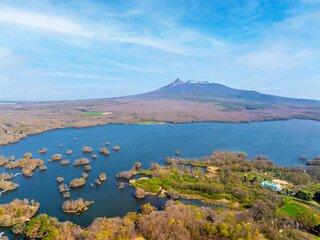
x=207 y=90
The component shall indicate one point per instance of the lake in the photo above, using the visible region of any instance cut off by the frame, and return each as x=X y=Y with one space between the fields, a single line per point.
x=281 y=141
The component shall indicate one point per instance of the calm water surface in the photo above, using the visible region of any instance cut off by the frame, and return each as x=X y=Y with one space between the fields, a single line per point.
x=281 y=141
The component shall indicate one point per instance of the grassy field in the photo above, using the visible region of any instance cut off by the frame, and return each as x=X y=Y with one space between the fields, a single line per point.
x=150 y=122
x=92 y=113
x=314 y=187
x=293 y=208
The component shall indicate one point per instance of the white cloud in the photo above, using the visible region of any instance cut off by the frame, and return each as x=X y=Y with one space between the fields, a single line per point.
x=182 y=41
x=39 y=20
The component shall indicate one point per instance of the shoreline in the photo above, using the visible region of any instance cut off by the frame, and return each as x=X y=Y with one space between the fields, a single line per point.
x=148 y=124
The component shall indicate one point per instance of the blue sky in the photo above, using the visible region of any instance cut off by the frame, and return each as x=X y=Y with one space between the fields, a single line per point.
x=80 y=49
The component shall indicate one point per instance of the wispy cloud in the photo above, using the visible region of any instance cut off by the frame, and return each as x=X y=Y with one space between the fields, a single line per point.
x=274 y=58
x=178 y=43
x=130 y=67
x=246 y=12
x=42 y=21
x=310 y=1
x=76 y=75
x=301 y=23
x=4 y=52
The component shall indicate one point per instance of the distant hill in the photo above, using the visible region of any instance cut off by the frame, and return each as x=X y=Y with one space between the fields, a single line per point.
x=197 y=90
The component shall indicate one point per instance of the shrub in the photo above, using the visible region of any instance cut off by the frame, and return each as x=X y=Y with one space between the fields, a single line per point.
x=42 y=150
x=60 y=179
x=116 y=148
x=140 y=193
x=173 y=194
x=147 y=209
x=317 y=195
x=84 y=175
x=87 y=168
x=303 y=194
x=63 y=187
x=103 y=177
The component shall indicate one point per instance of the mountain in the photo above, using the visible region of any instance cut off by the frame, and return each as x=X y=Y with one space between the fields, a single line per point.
x=206 y=91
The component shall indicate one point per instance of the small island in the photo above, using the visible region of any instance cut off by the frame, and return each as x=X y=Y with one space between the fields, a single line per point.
x=42 y=150
x=116 y=148
x=104 y=151
x=103 y=177
x=60 y=179
x=56 y=157
x=77 y=182
x=66 y=195
x=42 y=168
x=140 y=193
x=74 y=206
x=63 y=187
x=86 y=149
x=7 y=185
x=17 y=211
x=27 y=164
x=87 y=168
x=84 y=175
x=81 y=161
x=121 y=185
x=65 y=162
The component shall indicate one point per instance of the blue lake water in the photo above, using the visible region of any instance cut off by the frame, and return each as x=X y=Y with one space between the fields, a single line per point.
x=281 y=141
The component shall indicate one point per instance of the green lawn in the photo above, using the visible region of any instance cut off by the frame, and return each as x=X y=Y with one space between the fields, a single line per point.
x=293 y=208
x=92 y=113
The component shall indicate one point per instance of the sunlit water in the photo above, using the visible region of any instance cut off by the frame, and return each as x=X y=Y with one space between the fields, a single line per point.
x=281 y=141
